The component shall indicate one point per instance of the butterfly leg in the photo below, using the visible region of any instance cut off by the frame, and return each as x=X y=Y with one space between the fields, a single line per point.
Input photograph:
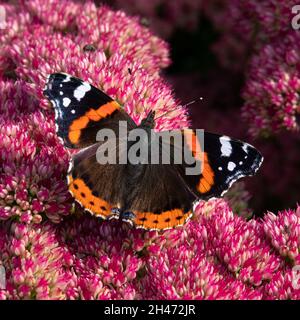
x=115 y=214
x=127 y=216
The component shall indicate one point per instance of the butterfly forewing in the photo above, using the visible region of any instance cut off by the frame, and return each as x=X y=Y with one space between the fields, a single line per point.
x=81 y=110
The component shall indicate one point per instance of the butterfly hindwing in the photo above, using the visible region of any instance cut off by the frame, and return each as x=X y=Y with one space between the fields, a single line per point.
x=97 y=187
x=159 y=199
x=81 y=110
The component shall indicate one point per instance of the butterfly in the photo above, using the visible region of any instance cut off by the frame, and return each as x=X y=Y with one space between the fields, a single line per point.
x=150 y=196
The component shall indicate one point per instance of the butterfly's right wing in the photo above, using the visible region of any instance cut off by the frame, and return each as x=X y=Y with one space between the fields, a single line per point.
x=221 y=160
x=81 y=110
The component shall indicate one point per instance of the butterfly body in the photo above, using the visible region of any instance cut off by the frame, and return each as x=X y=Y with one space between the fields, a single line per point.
x=148 y=194
x=149 y=121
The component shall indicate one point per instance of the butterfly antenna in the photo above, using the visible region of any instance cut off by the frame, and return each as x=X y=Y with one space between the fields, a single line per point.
x=193 y=101
x=136 y=89
x=185 y=105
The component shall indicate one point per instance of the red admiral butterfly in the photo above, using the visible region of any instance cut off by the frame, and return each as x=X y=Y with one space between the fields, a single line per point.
x=149 y=196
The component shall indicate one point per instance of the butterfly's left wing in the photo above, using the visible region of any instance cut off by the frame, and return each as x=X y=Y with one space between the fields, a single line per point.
x=81 y=110
x=224 y=160
x=195 y=167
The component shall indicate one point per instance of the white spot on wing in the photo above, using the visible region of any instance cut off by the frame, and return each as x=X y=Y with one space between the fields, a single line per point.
x=55 y=114
x=70 y=166
x=59 y=114
x=80 y=91
x=245 y=147
x=68 y=78
x=231 y=166
x=220 y=168
x=49 y=85
x=66 y=102
x=73 y=111
x=226 y=148
x=240 y=175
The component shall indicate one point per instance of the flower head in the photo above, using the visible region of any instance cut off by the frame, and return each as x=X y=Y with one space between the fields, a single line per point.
x=271 y=92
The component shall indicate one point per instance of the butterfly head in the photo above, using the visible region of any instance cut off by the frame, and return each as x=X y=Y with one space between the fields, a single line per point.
x=149 y=121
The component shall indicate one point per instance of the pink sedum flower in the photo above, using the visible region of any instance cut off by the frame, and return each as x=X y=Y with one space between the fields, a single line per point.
x=33 y=165
x=284 y=233
x=217 y=255
x=116 y=33
x=35 y=263
x=271 y=92
x=257 y=38
x=246 y=25
x=48 y=253
x=59 y=14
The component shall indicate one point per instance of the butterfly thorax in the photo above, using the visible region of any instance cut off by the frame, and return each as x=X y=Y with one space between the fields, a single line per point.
x=149 y=121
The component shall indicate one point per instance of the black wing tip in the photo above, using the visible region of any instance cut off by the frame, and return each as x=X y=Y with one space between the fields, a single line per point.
x=51 y=79
x=257 y=162
x=58 y=76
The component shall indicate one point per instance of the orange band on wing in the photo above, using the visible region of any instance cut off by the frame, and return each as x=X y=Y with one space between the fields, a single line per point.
x=91 y=115
x=83 y=194
x=165 y=220
x=193 y=143
x=207 y=179
x=207 y=176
